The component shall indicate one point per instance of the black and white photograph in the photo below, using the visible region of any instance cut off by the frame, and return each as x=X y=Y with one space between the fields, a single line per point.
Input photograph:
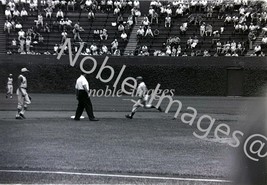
x=133 y=92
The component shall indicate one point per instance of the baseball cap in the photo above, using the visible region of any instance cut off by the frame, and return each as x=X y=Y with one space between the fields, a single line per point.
x=24 y=70
x=139 y=78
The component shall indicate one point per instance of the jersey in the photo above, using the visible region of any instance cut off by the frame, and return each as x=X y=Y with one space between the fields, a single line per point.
x=9 y=81
x=141 y=90
x=23 y=83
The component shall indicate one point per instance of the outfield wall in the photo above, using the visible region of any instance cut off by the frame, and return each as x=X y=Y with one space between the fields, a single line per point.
x=187 y=75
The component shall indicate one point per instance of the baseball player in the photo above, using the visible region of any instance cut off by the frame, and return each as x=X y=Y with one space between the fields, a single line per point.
x=9 y=86
x=143 y=98
x=23 y=97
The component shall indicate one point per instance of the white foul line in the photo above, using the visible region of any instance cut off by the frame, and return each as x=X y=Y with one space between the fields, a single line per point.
x=115 y=175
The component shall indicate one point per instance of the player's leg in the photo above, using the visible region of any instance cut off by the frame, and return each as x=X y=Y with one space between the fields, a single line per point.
x=20 y=104
x=89 y=109
x=79 y=109
x=27 y=101
x=150 y=106
x=11 y=91
x=8 y=91
x=138 y=104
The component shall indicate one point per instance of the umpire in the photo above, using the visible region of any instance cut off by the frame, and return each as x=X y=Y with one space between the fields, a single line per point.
x=82 y=90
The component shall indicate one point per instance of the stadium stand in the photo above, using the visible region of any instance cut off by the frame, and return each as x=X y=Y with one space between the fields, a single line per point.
x=51 y=33
x=179 y=28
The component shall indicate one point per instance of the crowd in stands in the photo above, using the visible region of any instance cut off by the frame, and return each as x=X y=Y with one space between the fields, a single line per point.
x=210 y=21
x=52 y=16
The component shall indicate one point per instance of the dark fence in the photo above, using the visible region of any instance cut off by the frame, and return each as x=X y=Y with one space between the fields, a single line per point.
x=194 y=76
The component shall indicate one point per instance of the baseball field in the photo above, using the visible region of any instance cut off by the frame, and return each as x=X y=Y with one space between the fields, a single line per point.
x=49 y=147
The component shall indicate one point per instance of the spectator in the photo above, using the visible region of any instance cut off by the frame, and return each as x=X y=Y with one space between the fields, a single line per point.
x=18 y=26
x=168 y=50
x=168 y=11
x=218 y=47
x=206 y=53
x=104 y=50
x=48 y=12
x=56 y=49
x=60 y=14
x=116 y=11
x=109 y=5
x=94 y=49
x=14 y=47
x=124 y=36
x=179 y=51
x=155 y=17
x=104 y=35
x=67 y=24
x=16 y=14
x=257 y=49
x=64 y=35
x=202 y=29
x=121 y=28
x=39 y=21
x=33 y=6
x=179 y=11
x=210 y=9
x=195 y=42
x=91 y=15
x=226 y=47
x=11 y=5
x=209 y=29
x=71 y=4
x=28 y=44
x=117 y=52
x=136 y=4
x=76 y=31
x=189 y=42
x=21 y=34
x=114 y=45
x=228 y=19
x=149 y=32
x=140 y=32
x=22 y=44
x=7 y=27
x=130 y=21
x=168 y=20
x=174 y=51
x=233 y=46
x=119 y=20
x=23 y=14
x=146 y=22
x=264 y=40
x=183 y=28
x=8 y=14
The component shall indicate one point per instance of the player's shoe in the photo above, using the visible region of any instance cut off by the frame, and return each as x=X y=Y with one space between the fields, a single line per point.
x=18 y=117
x=22 y=115
x=128 y=116
x=11 y=97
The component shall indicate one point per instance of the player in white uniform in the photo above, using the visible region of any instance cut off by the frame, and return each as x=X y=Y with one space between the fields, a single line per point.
x=23 y=97
x=9 y=86
x=143 y=98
